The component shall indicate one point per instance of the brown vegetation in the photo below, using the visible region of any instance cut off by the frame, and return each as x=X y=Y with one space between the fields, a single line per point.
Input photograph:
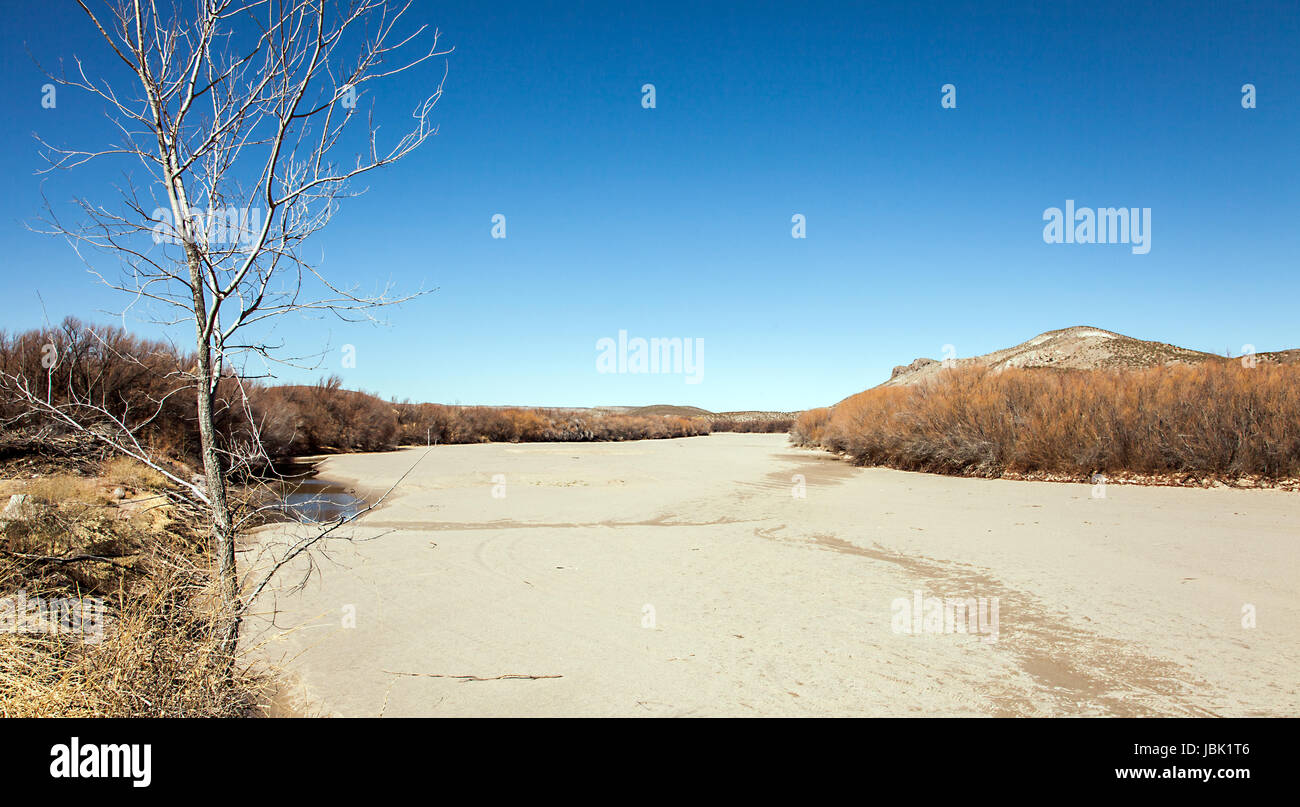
x=98 y=373
x=105 y=373
x=772 y=426
x=322 y=417
x=425 y=423
x=1216 y=420
x=158 y=653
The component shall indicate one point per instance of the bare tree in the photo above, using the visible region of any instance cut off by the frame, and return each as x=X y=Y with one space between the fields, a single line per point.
x=235 y=108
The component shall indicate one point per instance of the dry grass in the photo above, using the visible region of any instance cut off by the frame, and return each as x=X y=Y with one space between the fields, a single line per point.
x=1215 y=421
x=72 y=489
x=156 y=659
x=132 y=474
x=66 y=488
x=156 y=655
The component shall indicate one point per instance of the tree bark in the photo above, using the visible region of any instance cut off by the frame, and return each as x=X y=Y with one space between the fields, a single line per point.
x=214 y=476
x=223 y=533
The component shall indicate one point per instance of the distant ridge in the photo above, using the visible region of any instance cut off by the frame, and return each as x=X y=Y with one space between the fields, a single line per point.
x=1081 y=347
x=696 y=412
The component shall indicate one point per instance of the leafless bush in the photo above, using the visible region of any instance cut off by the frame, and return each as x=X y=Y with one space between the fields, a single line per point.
x=426 y=423
x=752 y=426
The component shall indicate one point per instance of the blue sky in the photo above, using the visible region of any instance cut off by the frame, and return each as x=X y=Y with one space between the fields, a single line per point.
x=924 y=225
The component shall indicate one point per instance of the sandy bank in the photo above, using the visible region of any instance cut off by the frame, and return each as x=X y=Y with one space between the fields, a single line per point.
x=682 y=577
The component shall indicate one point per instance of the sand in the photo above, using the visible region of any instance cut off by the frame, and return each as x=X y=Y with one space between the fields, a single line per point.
x=682 y=577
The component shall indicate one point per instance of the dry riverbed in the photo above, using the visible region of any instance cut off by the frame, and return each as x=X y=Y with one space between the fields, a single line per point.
x=684 y=577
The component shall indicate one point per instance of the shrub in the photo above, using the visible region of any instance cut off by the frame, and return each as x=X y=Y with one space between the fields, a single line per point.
x=1213 y=420
x=148 y=384
x=420 y=423
x=752 y=425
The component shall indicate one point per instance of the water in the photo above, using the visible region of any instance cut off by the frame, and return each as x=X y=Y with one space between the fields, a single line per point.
x=318 y=501
x=320 y=506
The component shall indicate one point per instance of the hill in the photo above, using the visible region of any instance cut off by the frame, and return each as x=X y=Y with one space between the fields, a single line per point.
x=1080 y=347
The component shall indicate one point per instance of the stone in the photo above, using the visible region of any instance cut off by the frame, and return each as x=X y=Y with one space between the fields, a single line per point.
x=19 y=508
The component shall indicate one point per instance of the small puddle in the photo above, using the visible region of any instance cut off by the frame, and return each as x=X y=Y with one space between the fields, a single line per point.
x=298 y=496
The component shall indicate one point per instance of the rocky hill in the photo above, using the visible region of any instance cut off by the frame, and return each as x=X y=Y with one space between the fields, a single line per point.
x=1078 y=348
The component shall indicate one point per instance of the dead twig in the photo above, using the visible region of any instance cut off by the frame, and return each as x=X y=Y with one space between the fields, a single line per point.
x=474 y=677
x=116 y=559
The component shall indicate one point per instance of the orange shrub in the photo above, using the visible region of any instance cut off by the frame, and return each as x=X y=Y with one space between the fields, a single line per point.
x=810 y=427
x=1214 y=420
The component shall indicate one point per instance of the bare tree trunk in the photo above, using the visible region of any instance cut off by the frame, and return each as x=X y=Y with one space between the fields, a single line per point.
x=214 y=475
x=223 y=534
